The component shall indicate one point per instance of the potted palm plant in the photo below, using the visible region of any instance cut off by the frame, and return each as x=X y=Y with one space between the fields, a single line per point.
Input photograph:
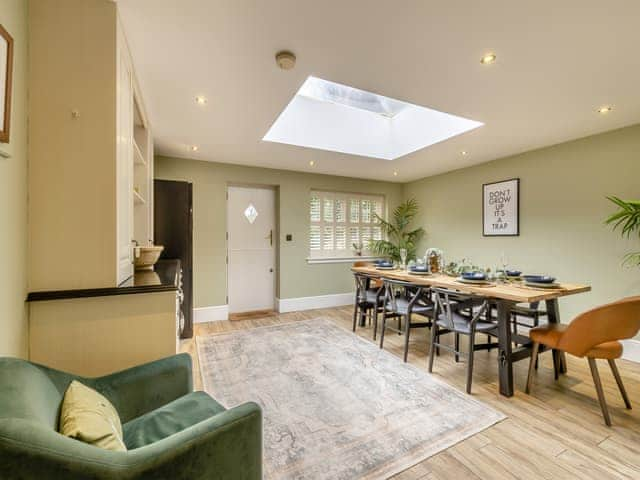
x=397 y=232
x=627 y=219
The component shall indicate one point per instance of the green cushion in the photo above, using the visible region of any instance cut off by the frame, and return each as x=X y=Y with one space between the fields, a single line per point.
x=169 y=419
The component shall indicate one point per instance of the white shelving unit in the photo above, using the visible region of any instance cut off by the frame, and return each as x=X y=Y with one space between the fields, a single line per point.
x=142 y=174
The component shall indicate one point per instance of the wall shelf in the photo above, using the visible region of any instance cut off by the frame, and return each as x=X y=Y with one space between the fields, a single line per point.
x=138 y=158
x=138 y=199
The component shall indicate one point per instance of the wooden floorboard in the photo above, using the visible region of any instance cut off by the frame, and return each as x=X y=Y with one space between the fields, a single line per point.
x=557 y=432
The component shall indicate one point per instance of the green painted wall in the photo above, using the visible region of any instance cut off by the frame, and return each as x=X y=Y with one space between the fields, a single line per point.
x=297 y=278
x=13 y=193
x=562 y=207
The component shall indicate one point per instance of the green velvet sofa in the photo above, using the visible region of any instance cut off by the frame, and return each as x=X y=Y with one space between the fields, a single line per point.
x=170 y=431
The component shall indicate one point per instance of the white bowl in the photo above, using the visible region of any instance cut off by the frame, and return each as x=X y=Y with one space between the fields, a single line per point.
x=146 y=257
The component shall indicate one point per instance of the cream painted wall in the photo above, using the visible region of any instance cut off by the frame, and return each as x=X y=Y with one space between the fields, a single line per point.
x=13 y=193
x=562 y=207
x=99 y=335
x=297 y=278
x=72 y=161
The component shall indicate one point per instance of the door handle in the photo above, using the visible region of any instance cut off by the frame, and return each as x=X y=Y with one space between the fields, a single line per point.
x=270 y=237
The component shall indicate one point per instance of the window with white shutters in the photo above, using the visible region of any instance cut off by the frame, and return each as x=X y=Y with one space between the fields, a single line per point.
x=339 y=220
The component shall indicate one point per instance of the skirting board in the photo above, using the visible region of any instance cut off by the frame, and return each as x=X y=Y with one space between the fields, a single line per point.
x=311 y=303
x=211 y=314
x=631 y=350
x=216 y=313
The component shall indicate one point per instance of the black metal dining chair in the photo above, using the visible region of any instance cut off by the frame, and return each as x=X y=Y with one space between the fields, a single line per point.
x=527 y=316
x=449 y=318
x=522 y=315
x=368 y=301
x=401 y=301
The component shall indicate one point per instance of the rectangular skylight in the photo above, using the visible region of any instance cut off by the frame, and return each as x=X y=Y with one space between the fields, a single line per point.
x=325 y=91
x=330 y=116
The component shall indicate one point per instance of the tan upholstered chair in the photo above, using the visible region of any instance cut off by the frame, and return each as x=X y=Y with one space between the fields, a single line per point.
x=594 y=334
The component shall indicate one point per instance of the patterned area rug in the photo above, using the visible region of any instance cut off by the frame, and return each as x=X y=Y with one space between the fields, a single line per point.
x=335 y=405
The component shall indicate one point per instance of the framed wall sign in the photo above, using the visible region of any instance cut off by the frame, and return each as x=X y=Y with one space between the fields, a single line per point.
x=6 y=66
x=501 y=208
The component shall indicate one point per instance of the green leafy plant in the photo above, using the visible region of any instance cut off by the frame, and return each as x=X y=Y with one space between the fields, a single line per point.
x=397 y=232
x=455 y=269
x=627 y=220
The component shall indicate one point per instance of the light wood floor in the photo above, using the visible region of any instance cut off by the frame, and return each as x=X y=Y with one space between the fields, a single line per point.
x=555 y=433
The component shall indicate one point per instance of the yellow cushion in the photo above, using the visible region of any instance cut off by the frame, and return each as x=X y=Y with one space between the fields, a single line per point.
x=89 y=417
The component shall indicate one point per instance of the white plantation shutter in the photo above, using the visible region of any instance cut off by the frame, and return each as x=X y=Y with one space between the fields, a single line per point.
x=315 y=208
x=338 y=220
x=327 y=209
x=341 y=207
x=327 y=238
x=377 y=208
x=365 y=235
x=354 y=235
x=366 y=210
x=341 y=238
x=314 y=238
x=354 y=212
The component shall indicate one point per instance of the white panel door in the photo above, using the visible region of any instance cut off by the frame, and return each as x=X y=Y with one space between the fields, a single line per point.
x=251 y=223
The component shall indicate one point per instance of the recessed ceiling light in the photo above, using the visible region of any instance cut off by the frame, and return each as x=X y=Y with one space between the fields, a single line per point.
x=200 y=100
x=605 y=109
x=311 y=163
x=464 y=153
x=488 y=58
x=395 y=174
x=194 y=148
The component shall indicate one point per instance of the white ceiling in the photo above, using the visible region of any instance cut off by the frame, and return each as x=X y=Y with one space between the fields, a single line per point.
x=557 y=62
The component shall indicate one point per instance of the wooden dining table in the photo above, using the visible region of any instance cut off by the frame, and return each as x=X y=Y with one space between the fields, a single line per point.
x=505 y=296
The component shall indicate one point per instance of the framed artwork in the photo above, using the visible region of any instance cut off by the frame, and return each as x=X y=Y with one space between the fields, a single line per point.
x=501 y=208
x=6 y=66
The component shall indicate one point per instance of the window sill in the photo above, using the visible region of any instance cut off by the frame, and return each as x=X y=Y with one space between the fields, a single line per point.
x=319 y=260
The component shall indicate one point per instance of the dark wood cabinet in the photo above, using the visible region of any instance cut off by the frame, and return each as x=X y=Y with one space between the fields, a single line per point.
x=173 y=228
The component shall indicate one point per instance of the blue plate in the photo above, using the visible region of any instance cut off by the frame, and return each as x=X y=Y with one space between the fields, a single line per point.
x=420 y=268
x=474 y=276
x=385 y=264
x=513 y=273
x=539 y=278
x=378 y=262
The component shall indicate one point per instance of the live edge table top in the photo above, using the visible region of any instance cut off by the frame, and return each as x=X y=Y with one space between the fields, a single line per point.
x=513 y=292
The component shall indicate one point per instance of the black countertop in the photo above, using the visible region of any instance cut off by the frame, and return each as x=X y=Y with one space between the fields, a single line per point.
x=164 y=278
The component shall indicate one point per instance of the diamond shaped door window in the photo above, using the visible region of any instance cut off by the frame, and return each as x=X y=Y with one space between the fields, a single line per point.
x=251 y=213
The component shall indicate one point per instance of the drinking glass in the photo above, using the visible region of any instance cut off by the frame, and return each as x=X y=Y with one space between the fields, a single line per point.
x=504 y=262
x=403 y=257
